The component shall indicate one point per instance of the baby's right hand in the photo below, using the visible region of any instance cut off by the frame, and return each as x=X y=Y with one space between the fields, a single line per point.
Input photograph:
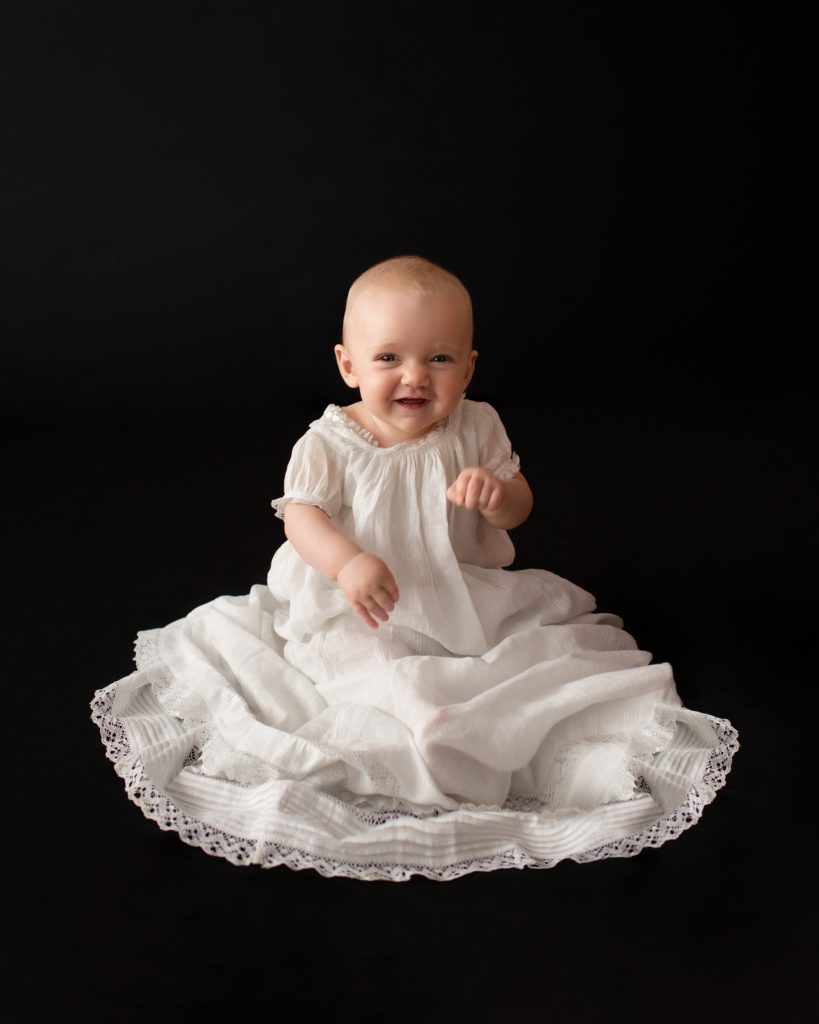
x=369 y=587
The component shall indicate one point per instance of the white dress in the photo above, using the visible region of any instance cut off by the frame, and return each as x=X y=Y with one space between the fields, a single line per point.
x=496 y=720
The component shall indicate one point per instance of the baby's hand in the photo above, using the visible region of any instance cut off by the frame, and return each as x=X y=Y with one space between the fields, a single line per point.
x=477 y=488
x=369 y=587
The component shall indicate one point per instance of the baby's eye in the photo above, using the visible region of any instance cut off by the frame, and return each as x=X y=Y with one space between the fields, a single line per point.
x=444 y=357
x=386 y=357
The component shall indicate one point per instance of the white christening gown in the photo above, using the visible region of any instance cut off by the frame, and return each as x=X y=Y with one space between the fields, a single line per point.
x=496 y=720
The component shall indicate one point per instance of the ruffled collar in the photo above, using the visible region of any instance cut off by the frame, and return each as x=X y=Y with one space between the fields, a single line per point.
x=337 y=415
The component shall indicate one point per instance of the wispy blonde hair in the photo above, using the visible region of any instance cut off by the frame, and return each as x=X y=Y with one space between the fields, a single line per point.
x=408 y=271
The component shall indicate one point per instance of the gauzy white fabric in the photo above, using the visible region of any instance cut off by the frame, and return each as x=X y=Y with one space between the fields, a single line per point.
x=495 y=720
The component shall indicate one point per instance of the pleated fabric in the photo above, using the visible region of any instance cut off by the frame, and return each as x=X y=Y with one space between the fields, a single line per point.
x=497 y=720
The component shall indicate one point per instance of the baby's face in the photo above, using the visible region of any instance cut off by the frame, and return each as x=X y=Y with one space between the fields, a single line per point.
x=411 y=357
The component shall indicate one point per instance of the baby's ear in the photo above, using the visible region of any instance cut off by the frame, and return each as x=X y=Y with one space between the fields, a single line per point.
x=345 y=366
x=470 y=366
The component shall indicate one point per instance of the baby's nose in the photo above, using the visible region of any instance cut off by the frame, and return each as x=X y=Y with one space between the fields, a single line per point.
x=415 y=374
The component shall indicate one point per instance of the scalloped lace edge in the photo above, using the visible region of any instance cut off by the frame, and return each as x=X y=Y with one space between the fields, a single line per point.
x=338 y=415
x=242 y=851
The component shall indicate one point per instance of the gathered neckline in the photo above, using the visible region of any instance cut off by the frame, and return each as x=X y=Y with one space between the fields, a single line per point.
x=337 y=413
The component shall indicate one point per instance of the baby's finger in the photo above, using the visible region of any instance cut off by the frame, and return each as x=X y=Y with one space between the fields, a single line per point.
x=473 y=492
x=487 y=492
x=362 y=613
x=384 y=599
x=480 y=496
x=373 y=607
x=495 y=499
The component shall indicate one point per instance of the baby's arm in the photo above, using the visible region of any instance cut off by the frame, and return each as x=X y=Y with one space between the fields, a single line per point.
x=367 y=584
x=503 y=503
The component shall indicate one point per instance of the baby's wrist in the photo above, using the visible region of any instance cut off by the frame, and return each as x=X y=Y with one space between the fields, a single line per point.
x=352 y=558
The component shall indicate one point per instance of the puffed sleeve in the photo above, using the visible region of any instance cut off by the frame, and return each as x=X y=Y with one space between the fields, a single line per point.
x=314 y=476
x=496 y=453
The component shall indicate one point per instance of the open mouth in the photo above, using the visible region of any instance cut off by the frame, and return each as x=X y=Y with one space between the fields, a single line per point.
x=412 y=403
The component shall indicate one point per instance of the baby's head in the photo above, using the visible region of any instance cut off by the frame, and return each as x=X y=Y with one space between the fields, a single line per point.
x=407 y=334
x=411 y=273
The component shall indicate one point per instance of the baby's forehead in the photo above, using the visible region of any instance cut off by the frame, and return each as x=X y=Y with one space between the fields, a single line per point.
x=384 y=305
x=378 y=295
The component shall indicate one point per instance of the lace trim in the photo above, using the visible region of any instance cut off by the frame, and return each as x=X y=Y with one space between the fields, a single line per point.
x=338 y=415
x=625 y=776
x=301 y=498
x=509 y=470
x=241 y=851
x=180 y=702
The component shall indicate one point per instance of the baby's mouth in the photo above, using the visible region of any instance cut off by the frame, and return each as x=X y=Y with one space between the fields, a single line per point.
x=412 y=402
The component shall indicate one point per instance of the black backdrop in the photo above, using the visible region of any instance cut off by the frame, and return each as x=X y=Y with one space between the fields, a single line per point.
x=190 y=188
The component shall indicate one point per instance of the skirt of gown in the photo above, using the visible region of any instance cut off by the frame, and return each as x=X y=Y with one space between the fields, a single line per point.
x=377 y=754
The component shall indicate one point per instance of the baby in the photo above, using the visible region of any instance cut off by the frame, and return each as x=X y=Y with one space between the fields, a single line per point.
x=407 y=346
x=496 y=720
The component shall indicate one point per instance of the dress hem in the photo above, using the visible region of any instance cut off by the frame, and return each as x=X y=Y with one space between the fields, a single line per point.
x=244 y=851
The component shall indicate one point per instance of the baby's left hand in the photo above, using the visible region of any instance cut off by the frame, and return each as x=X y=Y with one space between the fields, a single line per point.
x=477 y=488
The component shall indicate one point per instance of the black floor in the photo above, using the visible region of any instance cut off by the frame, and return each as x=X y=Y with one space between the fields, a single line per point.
x=692 y=527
